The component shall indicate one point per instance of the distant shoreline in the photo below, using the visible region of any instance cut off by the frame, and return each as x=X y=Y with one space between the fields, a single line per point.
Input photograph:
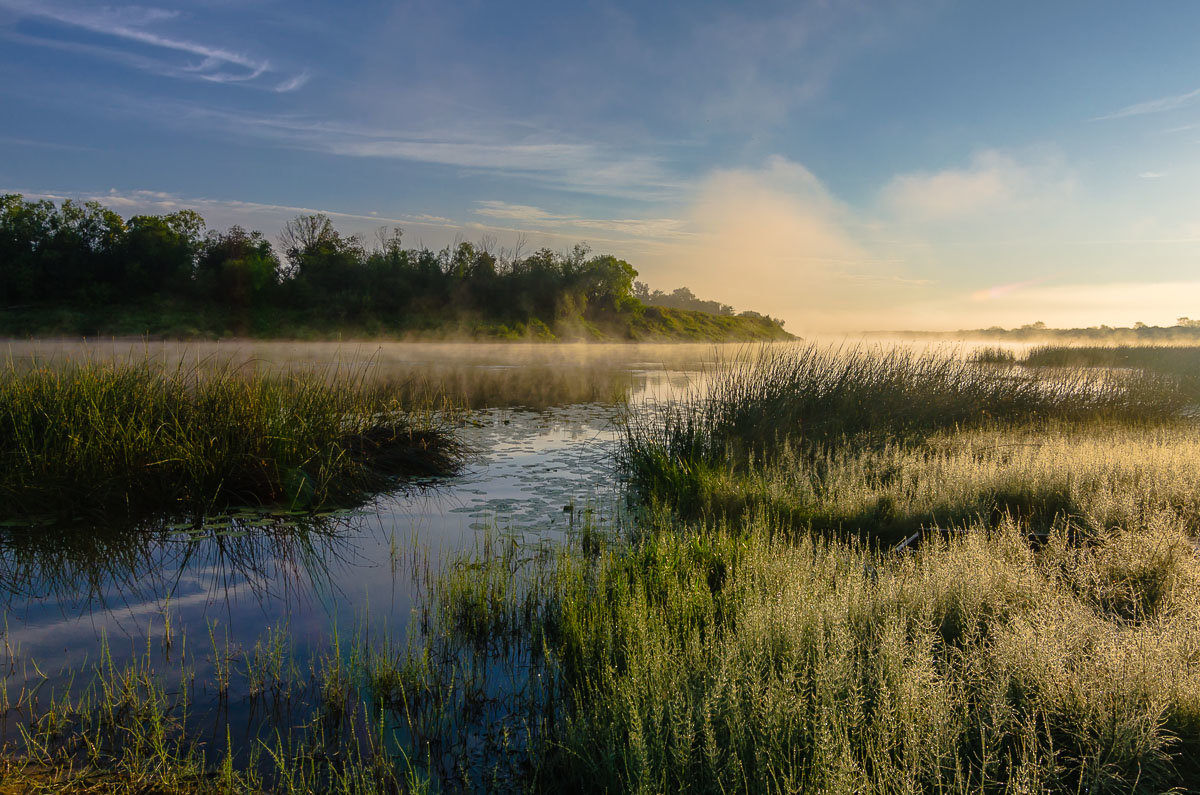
x=1039 y=333
x=191 y=323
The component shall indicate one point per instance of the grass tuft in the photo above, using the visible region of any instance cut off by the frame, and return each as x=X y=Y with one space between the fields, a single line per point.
x=126 y=438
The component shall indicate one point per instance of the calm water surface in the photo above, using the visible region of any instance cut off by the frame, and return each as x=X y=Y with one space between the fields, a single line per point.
x=543 y=432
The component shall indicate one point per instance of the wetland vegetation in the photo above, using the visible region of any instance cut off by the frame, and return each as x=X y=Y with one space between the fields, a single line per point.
x=96 y=439
x=870 y=570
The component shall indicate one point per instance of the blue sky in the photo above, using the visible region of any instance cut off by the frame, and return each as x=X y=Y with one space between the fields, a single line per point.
x=840 y=164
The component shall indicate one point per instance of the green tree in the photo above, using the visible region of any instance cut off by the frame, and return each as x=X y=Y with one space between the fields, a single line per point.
x=237 y=268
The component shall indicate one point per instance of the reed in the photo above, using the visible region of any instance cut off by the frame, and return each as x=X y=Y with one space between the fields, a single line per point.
x=807 y=397
x=993 y=355
x=1180 y=360
x=82 y=439
x=754 y=648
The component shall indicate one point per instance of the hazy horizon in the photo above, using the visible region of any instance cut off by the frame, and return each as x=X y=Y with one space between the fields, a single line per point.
x=842 y=166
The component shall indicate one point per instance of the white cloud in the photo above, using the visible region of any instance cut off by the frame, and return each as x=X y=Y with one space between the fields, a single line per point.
x=992 y=180
x=509 y=149
x=1152 y=106
x=516 y=212
x=132 y=24
x=293 y=83
x=651 y=228
x=775 y=240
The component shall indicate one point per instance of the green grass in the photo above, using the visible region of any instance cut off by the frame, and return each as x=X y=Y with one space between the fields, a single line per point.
x=1097 y=475
x=766 y=641
x=801 y=399
x=125 y=438
x=700 y=658
x=710 y=660
x=663 y=323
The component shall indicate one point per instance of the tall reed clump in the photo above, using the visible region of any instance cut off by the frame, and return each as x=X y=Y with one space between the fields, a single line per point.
x=85 y=438
x=810 y=395
x=993 y=355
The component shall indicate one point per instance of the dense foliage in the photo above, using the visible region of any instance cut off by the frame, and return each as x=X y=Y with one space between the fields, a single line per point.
x=84 y=255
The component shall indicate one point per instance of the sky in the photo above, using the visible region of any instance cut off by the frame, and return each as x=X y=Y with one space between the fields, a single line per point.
x=843 y=165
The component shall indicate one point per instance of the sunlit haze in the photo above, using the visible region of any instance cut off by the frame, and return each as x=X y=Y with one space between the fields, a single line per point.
x=844 y=166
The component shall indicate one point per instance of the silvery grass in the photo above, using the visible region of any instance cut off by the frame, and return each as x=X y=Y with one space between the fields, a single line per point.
x=802 y=397
x=709 y=658
x=116 y=438
x=715 y=661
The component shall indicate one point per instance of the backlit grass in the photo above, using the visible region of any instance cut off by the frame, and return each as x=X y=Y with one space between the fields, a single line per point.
x=90 y=438
x=800 y=400
x=759 y=638
x=1178 y=360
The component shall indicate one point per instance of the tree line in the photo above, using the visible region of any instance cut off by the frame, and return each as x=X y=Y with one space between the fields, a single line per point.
x=84 y=253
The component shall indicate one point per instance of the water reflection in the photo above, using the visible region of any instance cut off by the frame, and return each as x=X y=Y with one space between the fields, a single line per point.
x=97 y=569
x=231 y=587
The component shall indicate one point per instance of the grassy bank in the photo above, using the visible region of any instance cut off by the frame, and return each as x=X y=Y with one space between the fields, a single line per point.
x=700 y=658
x=760 y=638
x=803 y=410
x=755 y=635
x=84 y=439
x=182 y=320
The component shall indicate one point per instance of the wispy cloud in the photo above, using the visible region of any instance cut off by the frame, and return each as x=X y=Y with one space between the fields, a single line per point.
x=9 y=140
x=293 y=83
x=1152 y=106
x=422 y=228
x=509 y=149
x=993 y=181
x=162 y=201
x=657 y=228
x=1151 y=175
x=133 y=25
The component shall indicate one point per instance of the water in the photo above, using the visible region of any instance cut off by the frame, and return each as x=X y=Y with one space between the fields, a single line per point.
x=543 y=427
x=543 y=437
x=543 y=431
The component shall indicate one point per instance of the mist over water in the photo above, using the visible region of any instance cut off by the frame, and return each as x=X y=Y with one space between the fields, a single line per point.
x=542 y=431
x=542 y=427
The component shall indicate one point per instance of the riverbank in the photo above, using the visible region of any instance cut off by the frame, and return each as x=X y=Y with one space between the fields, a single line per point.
x=190 y=323
x=899 y=572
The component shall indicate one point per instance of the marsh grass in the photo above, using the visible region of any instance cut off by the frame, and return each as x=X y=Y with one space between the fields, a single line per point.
x=804 y=399
x=126 y=438
x=759 y=646
x=1096 y=475
x=704 y=657
x=447 y=704
x=1177 y=360
x=993 y=355
x=711 y=661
